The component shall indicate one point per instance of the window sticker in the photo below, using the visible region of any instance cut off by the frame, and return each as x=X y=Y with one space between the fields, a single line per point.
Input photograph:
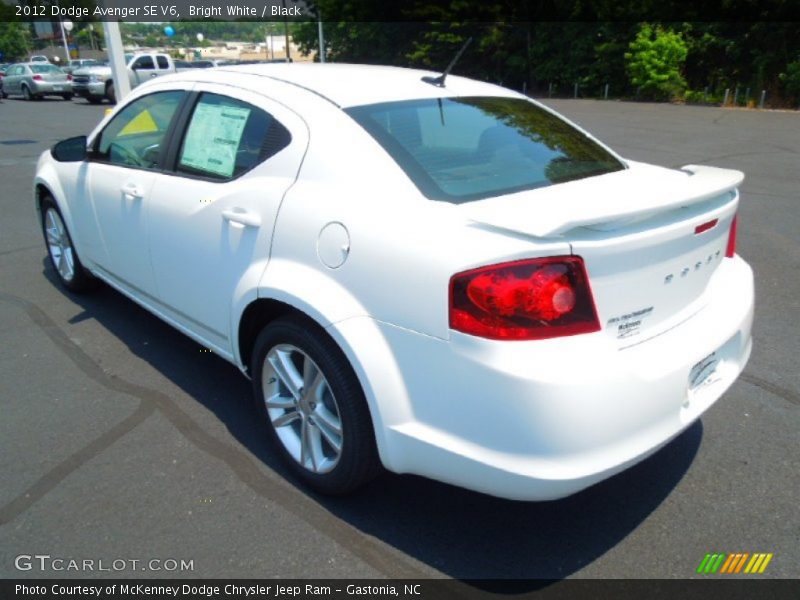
x=213 y=138
x=141 y=123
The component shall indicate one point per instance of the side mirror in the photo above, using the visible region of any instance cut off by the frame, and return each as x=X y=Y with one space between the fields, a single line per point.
x=70 y=150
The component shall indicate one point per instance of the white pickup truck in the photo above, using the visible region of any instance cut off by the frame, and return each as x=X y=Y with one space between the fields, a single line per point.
x=95 y=83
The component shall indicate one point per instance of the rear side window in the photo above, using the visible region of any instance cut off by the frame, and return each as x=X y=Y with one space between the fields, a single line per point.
x=162 y=62
x=461 y=149
x=226 y=138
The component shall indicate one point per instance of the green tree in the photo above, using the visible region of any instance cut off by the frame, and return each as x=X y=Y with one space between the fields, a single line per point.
x=15 y=40
x=655 y=61
x=89 y=37
x=791 y=78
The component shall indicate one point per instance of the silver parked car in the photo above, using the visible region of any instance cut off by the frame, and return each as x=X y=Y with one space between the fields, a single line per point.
x=36 y=79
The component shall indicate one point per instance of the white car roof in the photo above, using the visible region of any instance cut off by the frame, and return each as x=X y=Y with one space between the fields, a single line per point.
x=354 y=85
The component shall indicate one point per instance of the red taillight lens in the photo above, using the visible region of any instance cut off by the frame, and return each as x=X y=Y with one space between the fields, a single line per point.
x=731 y=249
x=69 y=76
x=37 y=78
x=524 y=300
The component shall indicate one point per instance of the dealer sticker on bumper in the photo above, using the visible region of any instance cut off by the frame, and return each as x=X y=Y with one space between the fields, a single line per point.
x=704 y=372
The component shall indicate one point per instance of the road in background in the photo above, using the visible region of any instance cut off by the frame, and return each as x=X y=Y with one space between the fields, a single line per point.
x=121 y=439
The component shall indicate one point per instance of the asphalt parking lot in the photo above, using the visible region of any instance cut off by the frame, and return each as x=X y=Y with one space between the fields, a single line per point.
x=121 y=439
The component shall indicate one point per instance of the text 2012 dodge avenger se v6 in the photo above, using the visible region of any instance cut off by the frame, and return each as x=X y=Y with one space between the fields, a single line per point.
x=446 y=279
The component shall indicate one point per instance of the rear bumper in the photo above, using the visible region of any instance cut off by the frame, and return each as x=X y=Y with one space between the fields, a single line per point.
x=542 y=420
x=54 y=88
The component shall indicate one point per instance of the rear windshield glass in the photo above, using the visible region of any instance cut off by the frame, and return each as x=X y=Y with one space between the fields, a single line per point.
x=45 y=69
x=461 y=149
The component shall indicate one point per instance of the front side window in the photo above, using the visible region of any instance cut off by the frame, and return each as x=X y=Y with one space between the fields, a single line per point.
x=144 y=62
x=226 y=138
x=135 y=137
x=462 y=149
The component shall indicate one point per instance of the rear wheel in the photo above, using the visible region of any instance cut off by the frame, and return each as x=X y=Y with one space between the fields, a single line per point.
x=93 y=100
x=66 y=96
x=26 y=93
x=313 y=407
x=62 y=253
x=111 y=93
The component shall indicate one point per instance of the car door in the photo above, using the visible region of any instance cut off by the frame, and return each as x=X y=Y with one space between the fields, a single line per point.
x=143 y=69
x=211 y=220
x=11 y=82
x=162 y=65
x=123 y=165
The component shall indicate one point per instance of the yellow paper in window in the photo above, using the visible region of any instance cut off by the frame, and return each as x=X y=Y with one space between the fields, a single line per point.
x=213 y=138
x=141 y=123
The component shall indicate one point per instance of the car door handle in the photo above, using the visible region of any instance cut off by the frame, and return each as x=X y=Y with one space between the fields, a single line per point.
x=241 y=216
x=131 y=190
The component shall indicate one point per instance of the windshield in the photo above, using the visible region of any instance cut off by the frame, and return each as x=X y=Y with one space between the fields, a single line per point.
x=461 y=149
x=45 y=69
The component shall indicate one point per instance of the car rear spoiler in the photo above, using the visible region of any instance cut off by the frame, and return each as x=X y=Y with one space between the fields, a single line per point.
x=616 y=198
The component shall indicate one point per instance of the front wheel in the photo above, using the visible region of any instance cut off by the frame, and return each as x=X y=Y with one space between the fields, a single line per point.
x=111 y=93
x=313 y=407
x=62 y=253
x=66 y=96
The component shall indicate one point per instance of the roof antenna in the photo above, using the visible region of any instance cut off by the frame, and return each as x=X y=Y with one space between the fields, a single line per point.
x=439 y=81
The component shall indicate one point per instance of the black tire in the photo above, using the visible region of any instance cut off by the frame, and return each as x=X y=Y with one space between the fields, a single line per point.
x=26 y=93
x=358 y=460
x=93 y=100
x=111 y=93
x=4 y=95
x=67 y=97
x=81 y=280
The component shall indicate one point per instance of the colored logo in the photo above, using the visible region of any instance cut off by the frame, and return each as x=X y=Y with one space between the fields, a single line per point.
x=740 y=562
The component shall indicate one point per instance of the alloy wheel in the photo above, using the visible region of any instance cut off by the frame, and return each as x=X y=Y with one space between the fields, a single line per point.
x=302 y=409
x=59 y=245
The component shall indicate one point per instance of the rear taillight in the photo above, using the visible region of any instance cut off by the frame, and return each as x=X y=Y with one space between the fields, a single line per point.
x=37 y=78
x=731 y=249
x=69 y=76
x=524 y=300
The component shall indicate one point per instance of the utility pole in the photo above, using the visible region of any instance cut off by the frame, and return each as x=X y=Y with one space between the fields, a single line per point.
x=286 y=31
x=321 y=37
x=116 y=56
x=65 y=25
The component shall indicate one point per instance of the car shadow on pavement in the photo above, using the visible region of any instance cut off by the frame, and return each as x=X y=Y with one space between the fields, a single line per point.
x=461 y=534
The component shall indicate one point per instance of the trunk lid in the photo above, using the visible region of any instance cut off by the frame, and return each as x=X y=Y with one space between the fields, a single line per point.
x=650 y=237
x=52 y=76
x=55 y=77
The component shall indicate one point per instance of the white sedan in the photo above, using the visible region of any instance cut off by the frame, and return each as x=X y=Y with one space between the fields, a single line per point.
x=440 y=278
